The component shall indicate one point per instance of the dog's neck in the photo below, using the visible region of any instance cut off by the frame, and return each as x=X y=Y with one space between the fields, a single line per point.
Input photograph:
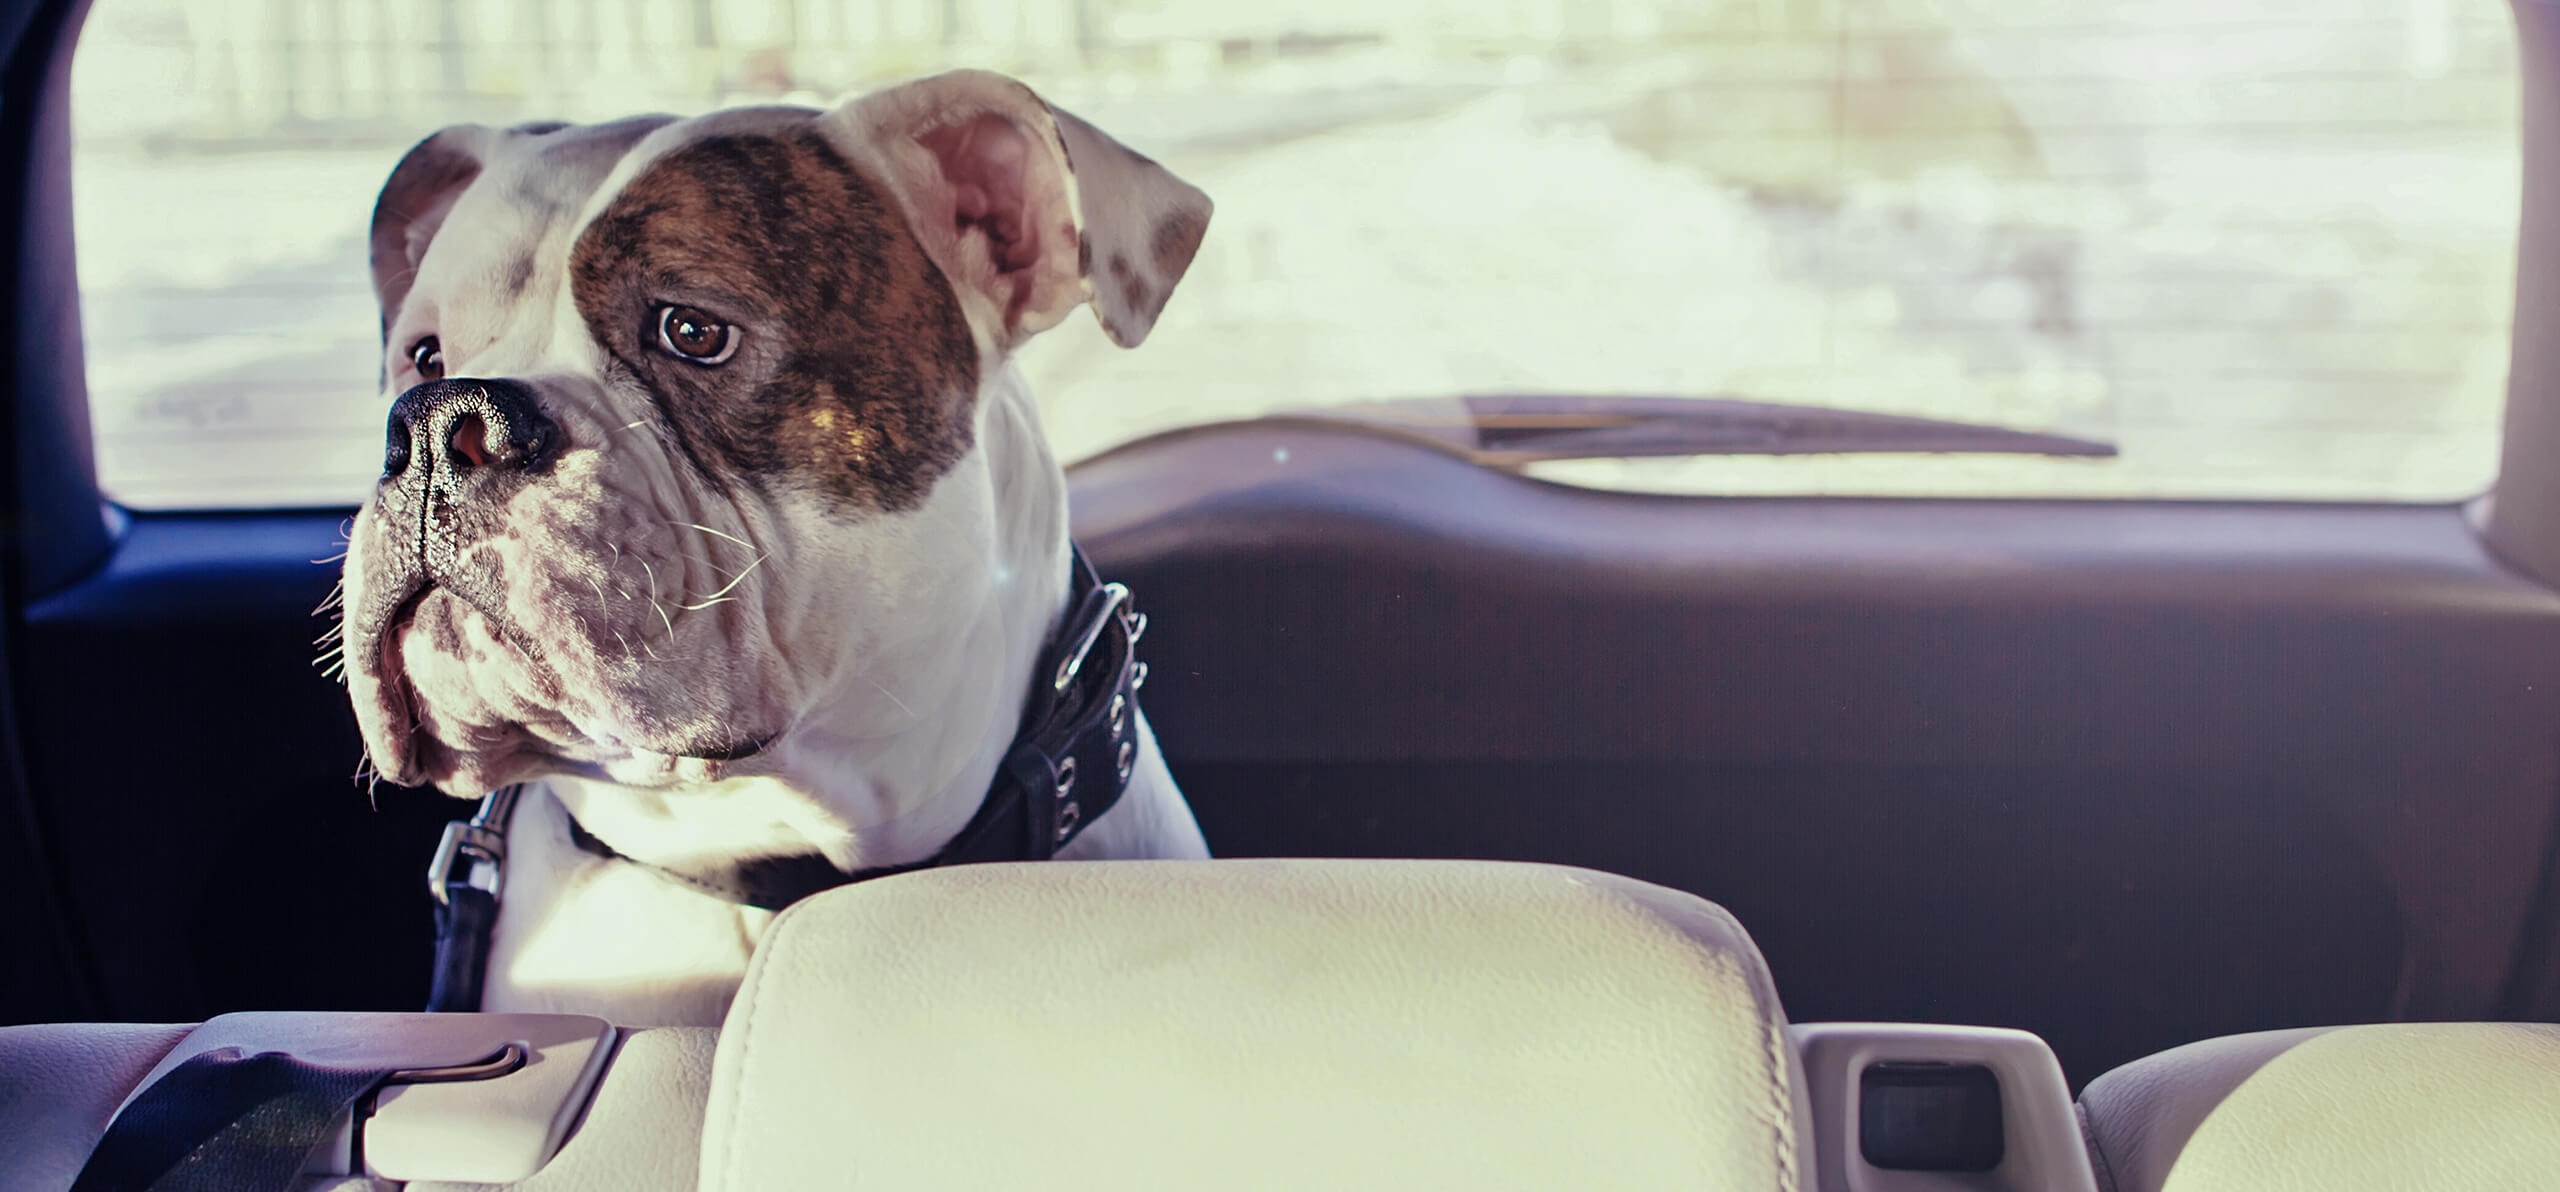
x=836 y=785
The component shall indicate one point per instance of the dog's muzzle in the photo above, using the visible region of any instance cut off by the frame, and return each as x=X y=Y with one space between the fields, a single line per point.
x=455 y=451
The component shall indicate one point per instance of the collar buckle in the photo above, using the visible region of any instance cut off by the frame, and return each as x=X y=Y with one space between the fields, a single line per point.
x=1093 y=615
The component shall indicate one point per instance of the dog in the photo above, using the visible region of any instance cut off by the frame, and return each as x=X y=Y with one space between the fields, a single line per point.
x=715 y=510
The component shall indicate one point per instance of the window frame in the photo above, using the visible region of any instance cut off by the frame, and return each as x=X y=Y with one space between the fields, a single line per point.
x=54 y=527
x=2520 y=515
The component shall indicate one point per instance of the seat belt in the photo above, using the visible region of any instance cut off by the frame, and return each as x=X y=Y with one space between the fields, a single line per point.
x=227 y=1122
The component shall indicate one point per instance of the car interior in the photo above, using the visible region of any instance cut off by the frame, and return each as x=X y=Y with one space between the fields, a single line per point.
x=1566 y=836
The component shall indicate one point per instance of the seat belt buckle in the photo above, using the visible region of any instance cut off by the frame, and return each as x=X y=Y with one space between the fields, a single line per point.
x=481 y=852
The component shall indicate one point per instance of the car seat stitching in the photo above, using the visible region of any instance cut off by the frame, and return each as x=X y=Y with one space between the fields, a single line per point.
x=1774 y=1039
x=2099 y=1167
x=747 y=1023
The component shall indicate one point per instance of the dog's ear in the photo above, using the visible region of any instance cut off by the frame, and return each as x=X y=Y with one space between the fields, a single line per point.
x=420 y=192
x=413 y=204
x=1029 y=210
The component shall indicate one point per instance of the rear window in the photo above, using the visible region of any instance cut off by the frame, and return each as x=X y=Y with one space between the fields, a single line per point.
x=2265 y=248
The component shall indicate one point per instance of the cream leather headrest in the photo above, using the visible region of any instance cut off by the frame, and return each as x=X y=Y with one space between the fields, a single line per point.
x=1256 y=1024
x=2449 y=1107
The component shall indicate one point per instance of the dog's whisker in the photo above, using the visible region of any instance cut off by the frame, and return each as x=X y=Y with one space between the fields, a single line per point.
x=369 y=776
x=734 y=581
x=715 y=533
x=654 y=606
x=893 y=696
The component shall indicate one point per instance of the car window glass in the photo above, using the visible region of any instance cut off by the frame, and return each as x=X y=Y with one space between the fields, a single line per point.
x=2263 y=247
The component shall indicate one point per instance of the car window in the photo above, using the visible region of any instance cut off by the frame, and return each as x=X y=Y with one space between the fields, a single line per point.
x=2264 y=248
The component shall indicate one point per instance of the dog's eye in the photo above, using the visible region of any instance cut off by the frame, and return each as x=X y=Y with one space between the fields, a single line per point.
x=428 y=356
x=690 y=334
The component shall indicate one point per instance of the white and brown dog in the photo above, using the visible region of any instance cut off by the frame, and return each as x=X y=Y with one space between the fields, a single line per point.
x=715 y=508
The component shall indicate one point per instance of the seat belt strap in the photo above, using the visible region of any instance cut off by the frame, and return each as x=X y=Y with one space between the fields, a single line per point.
x=227 y=1122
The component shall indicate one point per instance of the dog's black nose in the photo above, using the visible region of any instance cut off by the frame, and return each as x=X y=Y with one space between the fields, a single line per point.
x=461 y=423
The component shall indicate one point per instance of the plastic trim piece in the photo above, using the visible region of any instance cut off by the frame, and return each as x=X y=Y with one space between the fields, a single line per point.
x=2042 y=1149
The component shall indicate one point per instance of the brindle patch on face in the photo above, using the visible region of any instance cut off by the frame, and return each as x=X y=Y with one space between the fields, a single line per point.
x=859 y=373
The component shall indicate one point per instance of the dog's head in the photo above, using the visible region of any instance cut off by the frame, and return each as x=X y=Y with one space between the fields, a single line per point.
x=690 y=420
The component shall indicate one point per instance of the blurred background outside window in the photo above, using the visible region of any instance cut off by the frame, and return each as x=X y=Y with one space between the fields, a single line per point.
x=2266 y=247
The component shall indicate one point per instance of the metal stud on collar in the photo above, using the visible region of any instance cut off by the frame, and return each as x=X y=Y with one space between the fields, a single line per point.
x=1068 y=812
